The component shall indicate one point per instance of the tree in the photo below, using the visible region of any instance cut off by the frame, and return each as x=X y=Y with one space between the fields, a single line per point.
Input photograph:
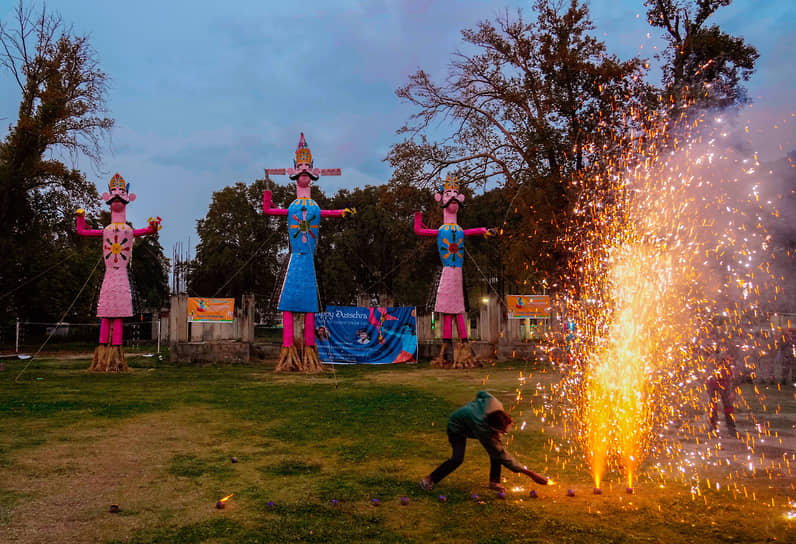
x=535 y=106
x=539 y=100
x=703 y=66
x=61 y=110
x=240 y=248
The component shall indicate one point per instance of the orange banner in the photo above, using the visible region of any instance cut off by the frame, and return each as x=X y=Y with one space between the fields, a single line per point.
x=216 y=310
x=528 y=306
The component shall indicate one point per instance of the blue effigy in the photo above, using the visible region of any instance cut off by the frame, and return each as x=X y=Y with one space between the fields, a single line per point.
x=300 y=288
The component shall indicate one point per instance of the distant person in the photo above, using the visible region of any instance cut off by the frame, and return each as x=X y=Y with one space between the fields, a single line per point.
x=784 y=357
x=485 y=420
x=767 y=362
x=789 y=352
x=721 y=386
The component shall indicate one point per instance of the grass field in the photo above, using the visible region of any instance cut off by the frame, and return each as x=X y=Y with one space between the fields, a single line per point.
x=312 y=452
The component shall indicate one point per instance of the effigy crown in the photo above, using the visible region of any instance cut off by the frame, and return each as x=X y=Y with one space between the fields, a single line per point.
x=117 y=182
x=451 y=183
x=303 y=154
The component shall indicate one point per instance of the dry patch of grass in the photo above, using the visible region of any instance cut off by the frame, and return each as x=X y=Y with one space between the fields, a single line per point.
x=69 y=484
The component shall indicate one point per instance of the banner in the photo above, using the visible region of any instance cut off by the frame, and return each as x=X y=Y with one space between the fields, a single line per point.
x=215 y=310
x=528 y=306
x=354 y=335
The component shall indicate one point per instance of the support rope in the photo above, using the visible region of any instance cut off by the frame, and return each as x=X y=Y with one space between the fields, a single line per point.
x=60 y=320
x=37 y=276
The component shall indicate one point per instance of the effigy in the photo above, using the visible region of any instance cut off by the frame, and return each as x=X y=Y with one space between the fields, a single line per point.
x=299 y=293
x=115 y=299
x=450 y=292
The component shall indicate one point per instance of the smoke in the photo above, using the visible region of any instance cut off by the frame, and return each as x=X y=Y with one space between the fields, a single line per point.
x=691 y=246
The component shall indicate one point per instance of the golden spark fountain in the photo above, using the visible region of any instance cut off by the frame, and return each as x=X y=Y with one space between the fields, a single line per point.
x=668 y=269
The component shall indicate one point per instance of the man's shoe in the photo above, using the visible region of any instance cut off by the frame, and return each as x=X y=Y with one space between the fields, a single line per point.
x=426 y=484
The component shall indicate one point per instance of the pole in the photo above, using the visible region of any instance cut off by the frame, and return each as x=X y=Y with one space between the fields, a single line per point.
x=159 y=333
x=17 y=342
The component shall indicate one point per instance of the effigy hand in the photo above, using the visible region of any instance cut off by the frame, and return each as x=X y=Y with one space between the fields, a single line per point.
x=80 y=212
x=154 y=223
x=490 y=232
x=349 y=212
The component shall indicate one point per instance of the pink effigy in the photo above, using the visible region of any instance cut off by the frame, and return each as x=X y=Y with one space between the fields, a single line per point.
x=450 y=293
x=115 y=300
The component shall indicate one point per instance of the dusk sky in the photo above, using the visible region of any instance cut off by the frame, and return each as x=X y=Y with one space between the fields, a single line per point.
x=206 y=94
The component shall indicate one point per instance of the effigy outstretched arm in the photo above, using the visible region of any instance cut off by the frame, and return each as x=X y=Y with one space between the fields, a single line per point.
x=154 y=226
x=82 y=230
x=420 y=229
x=267 y=206
x=481 y=231
x=345 y=212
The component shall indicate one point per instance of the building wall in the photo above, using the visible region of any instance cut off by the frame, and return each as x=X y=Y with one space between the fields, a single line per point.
x=181 y=332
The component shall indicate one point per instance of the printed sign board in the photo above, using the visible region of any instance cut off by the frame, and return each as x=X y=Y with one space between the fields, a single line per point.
x=355 y=335
x=528 y=306
x=215 y=310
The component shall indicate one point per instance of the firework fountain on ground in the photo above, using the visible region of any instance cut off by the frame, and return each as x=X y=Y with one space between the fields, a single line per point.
x=674 y=267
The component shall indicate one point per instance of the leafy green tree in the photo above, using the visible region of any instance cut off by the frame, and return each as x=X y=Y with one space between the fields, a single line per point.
x=61 y=111
x=376 y=253
x=704 y=66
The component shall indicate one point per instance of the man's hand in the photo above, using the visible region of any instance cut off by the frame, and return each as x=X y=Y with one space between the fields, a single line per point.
x=538 y=478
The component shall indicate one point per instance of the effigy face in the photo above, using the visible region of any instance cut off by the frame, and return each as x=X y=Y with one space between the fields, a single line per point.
x=450 y=198
x=118 y=196
x=304 y=175
x=304 y=221
x=448 y=194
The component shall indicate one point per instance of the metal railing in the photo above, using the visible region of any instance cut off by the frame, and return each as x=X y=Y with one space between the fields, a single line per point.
x=29 y=336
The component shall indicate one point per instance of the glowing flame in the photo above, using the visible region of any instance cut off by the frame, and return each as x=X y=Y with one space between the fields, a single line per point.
x=671 y=269
x=225 y=499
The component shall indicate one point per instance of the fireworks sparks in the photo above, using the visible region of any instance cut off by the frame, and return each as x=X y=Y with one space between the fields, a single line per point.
x=675 y=267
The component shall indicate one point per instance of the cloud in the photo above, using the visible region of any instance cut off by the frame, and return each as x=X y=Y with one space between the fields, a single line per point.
x=206 y=94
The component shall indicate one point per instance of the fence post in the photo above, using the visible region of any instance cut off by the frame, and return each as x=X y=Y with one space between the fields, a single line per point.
x=159 y=317
x=16 y=345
